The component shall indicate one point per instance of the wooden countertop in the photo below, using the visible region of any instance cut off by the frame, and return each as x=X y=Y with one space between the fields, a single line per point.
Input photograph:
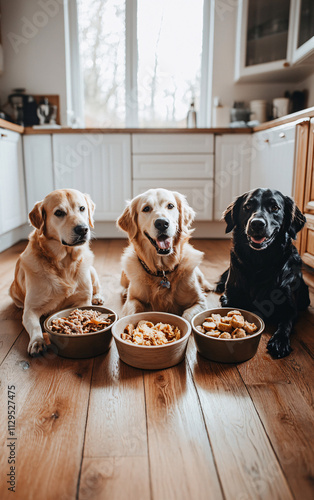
x=299 y=115
x=11 y=126
x=305 y=113
x=65 y=130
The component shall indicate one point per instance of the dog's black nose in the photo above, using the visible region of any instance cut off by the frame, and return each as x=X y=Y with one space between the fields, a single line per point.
x=161 y=224
x=257 y=224
x=81 y=230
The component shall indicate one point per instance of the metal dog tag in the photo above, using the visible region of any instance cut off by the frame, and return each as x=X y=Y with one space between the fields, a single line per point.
x=165 y=283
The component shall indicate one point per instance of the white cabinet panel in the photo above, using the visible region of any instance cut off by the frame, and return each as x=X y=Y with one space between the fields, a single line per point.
x=173 y=166
x=38 y=167
x=12 y=185
x=172 y=143
x=97 y=164
x=232 y=170
x=199 y=193
x=273 y=159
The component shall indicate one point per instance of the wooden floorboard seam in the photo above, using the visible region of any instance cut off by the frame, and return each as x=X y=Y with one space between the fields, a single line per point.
x=12 y=345
x=147 y=440
x=83 y=445
x=208 y=437
x=266 y=434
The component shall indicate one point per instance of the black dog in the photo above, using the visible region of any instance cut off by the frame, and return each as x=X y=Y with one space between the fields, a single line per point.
x=265 y=268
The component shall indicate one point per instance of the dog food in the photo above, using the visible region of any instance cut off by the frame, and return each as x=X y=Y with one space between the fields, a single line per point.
x=82 y=321
x=146 y=333
x=232 y=326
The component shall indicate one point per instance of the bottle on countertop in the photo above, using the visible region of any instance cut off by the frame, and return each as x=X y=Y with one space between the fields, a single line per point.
x=221 y=114
x=191 y=121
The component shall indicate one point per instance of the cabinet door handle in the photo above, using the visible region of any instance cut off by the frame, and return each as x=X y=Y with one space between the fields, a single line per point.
x=282 y=135
x=4 y=135
x=266 y=140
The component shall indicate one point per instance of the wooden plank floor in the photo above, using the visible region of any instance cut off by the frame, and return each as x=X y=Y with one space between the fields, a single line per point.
x=99 y=429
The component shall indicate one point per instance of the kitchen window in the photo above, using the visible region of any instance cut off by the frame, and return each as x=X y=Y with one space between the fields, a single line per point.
x=142 y=62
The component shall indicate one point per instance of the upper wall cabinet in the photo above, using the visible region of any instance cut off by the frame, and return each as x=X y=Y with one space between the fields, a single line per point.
x=303 y=39
x=272 y=38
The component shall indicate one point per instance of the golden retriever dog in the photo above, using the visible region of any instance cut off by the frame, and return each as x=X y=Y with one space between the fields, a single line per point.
x=160 y=268
x=55 y=270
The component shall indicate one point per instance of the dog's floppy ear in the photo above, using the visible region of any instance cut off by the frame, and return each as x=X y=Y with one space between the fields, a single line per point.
x=128 y=220
x=231 y=213
x=37 y=216
x=295 y=220
x=91 y=209
x=186 y=213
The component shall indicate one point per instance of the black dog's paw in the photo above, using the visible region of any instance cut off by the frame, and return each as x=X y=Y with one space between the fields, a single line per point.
x=279 y=347
x=224 y=301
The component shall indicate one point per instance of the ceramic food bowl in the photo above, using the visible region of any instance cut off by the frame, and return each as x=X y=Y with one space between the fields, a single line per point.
x=152 y=357
x=85 y=345
x=227 y=350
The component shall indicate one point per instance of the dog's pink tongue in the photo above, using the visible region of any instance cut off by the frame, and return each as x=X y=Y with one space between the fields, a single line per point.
x=255 y=240
x=164 y=244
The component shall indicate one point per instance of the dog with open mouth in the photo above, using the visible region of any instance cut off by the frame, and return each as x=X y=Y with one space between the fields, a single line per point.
x=160 y=268
x=55 y=270
x=265 y=273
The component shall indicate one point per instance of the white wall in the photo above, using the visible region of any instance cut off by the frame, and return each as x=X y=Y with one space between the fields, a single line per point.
x=33 y=44
x=308 y=84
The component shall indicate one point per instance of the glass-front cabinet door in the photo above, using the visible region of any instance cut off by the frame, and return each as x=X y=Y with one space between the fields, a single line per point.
x=303 y=43
x=264 y=36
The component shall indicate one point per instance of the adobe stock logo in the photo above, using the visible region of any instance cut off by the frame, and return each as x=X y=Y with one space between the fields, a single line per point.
x=30 y=27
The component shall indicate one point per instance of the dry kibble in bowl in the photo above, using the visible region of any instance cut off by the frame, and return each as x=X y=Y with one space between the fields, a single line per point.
x=231 y=326
x=149 y=334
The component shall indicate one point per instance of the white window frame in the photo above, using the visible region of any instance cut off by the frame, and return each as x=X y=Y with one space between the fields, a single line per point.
x=74 y=78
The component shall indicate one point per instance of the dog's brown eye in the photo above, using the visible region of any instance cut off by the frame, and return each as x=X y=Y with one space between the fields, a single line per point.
x=170 y=206
x=82 y=209
x=247 y=207
x=146 y=209
x=60 y=213
x=274 y=208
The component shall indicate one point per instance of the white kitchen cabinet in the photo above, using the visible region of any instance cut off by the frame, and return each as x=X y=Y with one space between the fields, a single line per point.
x=12 y=185
x=98 y=164
x=303 y=34
x=178 y=162
x=272 y=163
x=199 y=193
x=232 y=170
x=172 y=143
x=173 y=166
x=38 y=167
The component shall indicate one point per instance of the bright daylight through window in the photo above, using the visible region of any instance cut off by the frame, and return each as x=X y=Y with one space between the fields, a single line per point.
x=166 y=61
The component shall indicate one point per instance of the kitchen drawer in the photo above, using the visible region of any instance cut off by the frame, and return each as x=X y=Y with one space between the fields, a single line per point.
x=172 y=143
x=199 y=193
x=173 y=166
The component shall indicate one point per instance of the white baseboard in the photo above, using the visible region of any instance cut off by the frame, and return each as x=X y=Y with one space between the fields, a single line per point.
x=210 y=230
x=11 y=237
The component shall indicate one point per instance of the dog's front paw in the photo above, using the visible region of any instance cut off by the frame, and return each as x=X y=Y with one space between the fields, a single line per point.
x=279 y=347
x=208 y=287
x=98 y=300
x=188 y=316
x=224 y=301
x=36 y=346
